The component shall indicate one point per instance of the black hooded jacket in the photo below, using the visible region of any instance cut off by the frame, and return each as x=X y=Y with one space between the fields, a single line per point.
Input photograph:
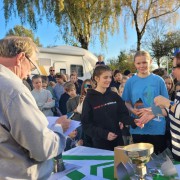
x=101 y=114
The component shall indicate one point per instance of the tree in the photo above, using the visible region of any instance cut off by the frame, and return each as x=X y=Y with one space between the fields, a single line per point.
x=87 y=18
x=153 y=40
x=171 y=43
x=21 y=31
x=158 y=51
x=124 y=61
x=141 y=12
x=161 y=43
x=81 y=19
x=172 y=39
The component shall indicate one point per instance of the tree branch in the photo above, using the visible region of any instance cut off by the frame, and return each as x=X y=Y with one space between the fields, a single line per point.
x=146 y=21
x=168 y=12
x=135 y=16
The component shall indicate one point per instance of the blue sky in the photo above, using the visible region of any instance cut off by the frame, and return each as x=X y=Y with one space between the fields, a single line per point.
x=47 y=33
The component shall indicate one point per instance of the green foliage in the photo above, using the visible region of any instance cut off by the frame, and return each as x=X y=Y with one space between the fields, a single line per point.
x=26 y=10
x=21 y=31
x=164 y=46
x=83 y=19
x=80 y=19
x=172 y=39
x=124 y=61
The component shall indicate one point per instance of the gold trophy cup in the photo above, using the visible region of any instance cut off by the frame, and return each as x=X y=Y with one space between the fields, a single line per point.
x=139 y=154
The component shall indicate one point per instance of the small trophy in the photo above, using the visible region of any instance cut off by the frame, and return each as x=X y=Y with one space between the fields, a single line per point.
x=139 y=154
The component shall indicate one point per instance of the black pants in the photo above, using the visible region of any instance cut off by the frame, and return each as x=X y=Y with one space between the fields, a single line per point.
x=108 y=145
x=159 y=141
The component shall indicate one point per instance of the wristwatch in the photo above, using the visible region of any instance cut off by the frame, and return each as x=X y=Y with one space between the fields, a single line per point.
x=171 y=104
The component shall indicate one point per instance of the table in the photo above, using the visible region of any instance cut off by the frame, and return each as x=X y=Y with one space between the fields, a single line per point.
x=86 y=163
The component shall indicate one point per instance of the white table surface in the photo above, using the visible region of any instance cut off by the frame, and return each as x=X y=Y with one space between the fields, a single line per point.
x=83 y=165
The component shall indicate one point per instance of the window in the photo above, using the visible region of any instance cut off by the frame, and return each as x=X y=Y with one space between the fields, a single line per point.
x=62 y=71
x=78 y=69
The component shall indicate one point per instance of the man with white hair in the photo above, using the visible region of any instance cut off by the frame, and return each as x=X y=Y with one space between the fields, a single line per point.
x=27 y=145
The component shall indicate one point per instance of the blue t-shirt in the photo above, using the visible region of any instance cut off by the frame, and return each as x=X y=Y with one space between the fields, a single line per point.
x=146 y=89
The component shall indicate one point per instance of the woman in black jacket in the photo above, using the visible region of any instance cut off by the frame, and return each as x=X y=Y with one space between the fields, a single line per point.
x=102 y=112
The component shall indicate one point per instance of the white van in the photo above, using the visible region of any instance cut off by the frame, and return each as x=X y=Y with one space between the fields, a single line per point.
x=66 y=59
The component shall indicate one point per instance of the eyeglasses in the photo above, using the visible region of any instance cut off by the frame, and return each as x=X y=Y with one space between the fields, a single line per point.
x=52 y=70
x=174 y=67
x=34 y=66
x=87 y=86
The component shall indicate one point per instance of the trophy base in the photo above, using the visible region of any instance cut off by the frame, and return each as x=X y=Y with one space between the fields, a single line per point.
x=141 y=171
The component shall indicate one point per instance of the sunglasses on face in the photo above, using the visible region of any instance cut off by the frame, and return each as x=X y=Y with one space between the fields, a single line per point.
x=52 y=70
x=87 y=86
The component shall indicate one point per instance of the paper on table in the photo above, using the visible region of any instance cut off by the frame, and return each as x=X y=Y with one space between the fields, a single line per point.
x=73 y=125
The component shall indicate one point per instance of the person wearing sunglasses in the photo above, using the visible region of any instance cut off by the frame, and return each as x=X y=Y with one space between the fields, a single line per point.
x=87 y=86
x=172 y=110
x=27 y=145
x=52 y=74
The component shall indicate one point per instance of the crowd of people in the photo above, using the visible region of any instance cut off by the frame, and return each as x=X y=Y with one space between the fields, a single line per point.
x=56 y=95
x=114 y=108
